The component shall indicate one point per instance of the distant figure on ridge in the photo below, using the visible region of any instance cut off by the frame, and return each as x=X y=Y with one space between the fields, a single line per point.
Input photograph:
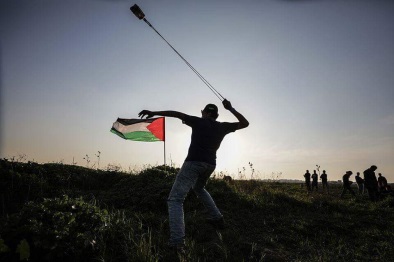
x=360 y=184
x=207 y=134
x=314 y=180
x=324 y=181
x=347 y=183
x=371 y=183
x=307 y=176
x=382 y=183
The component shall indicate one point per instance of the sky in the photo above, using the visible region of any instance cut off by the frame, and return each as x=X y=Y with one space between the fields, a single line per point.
x=314 y=78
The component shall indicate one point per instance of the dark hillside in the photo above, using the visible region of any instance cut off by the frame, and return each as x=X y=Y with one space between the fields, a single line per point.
x=56 y=212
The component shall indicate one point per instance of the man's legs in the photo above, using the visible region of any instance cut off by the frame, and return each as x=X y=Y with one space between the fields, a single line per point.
x=360 y=189
x=326 y=184
x=343 y=192
x=203 y=194
x=351 y=191
x=308 y=186
x=185 y=180
x=372 y=192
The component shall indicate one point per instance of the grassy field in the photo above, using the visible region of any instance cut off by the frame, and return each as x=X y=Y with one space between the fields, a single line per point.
x=57 y=212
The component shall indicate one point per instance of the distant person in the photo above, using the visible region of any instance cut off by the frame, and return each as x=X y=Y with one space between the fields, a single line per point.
x=360 y=184
x=324 y=181
x=371 y=183
x=314 y=180
x=347 y=183
x=382 y=183
x=207 y=134
x=307 y=177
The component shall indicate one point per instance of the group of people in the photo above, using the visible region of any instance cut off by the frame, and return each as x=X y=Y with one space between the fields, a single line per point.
x=374 y=186
x=315 y=178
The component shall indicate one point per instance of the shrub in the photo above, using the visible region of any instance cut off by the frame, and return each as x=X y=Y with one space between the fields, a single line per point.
x=56 y=229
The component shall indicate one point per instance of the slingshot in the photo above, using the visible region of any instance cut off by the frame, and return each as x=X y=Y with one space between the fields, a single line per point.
x=138 y=13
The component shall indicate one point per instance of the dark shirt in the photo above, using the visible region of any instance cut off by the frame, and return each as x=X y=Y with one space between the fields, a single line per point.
x=207 y=134
x=307 y=177
x=370 y=178
x=323 y=177
x=345 y=180
x=314 y=178
x=382 y=181
x=359 y=180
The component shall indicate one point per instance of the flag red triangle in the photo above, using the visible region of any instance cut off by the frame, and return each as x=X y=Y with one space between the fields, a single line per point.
x=157 y=128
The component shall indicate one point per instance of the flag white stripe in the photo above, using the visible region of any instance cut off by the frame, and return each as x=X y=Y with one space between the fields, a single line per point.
x=131 y=128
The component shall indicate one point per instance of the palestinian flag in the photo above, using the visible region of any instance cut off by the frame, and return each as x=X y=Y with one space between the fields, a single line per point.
x=147 y=130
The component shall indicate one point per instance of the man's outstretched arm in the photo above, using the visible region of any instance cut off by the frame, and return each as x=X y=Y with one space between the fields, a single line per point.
x=168 y=113
x=243 y=122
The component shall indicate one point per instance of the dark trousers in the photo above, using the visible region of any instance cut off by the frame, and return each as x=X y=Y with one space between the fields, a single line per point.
x=372 y=193
x=347 y=188
x=308 y=185
x=360 y=188
x=325 y=185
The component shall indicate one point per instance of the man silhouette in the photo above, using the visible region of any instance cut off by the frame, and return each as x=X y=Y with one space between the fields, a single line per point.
x=314 y=180
x=371 y=183
x=347 y=183
x=382 y=183
x=207 y=134
x=324 y=181
x=360 y=183
x=307 y=176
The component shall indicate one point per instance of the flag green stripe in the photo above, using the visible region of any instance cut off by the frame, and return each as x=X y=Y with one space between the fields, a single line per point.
x=113 y=130
x=137 y=136
x=141 y=136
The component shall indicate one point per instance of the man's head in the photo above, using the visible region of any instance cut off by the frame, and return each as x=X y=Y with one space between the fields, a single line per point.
x=373 y=167
x=210 y=111
x=349 y=173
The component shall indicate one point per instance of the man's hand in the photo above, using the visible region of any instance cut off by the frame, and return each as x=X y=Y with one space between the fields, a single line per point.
x=243 y=122
x=146 y=113
x=227 y=104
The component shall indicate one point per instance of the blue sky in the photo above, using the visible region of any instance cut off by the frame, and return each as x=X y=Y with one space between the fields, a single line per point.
x=314 y=79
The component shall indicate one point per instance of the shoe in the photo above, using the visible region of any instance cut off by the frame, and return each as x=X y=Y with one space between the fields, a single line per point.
x=217 y=223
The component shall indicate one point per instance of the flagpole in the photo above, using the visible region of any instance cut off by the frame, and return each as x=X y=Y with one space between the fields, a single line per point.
x=164 y=140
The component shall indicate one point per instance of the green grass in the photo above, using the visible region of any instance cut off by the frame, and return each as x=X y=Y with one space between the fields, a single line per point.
x=56 y=212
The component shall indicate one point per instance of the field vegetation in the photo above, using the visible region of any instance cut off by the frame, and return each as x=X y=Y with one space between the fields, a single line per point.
x=59 y=212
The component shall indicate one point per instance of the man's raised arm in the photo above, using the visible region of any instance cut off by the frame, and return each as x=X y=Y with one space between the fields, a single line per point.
x=168 y=113
x=243 y=122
